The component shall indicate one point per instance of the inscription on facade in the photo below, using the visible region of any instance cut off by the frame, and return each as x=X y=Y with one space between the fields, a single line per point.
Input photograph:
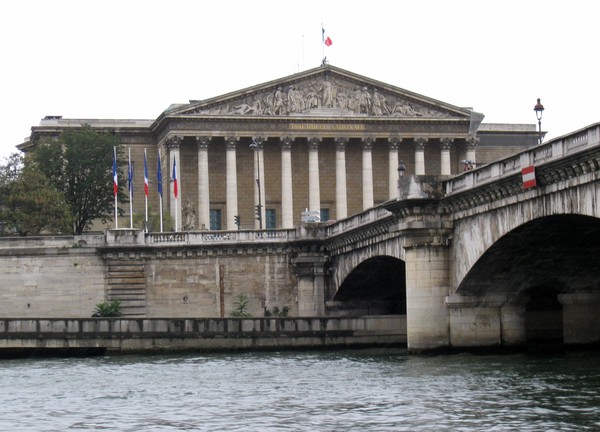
x=328 y=127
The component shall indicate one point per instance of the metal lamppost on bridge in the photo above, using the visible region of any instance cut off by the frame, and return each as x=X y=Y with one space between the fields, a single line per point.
x=539 y=110
x=254 y=146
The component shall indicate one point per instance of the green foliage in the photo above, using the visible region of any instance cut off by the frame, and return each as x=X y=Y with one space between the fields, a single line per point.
x=108 y=309
x=277 y=312
x=80 y=165
x=240 y=306
x=30 y=203
x=154 y=221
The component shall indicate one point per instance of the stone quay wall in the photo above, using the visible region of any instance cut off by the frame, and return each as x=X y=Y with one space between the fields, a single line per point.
x=117 y=335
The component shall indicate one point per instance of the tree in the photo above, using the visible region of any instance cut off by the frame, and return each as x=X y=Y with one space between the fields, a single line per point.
x=80 y=164
x=30 y=204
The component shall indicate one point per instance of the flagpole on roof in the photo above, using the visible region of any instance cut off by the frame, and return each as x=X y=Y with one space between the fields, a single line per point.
x=323 y=43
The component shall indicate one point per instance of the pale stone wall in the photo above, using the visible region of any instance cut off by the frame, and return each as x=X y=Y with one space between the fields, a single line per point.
x=50 y=282
x=181 y=286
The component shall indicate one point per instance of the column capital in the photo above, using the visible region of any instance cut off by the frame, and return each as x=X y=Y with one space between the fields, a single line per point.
x=394 y=142
x=202 y=142
x=260 y=141
x=472 y=142
x=231 y=142
x=313 y=143
x=286 y=142
x=421 y=143
x=340 y=143
x=367 y=143
x=173 y=142
x=447 y=143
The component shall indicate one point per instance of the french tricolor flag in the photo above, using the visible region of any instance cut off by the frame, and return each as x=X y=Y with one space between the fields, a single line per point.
x=326 y=40
x=528 y=174
x=175 y=191
x=115 y=178
x=145 y=175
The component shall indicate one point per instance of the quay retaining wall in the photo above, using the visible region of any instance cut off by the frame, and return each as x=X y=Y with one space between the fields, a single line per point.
x=117 y=335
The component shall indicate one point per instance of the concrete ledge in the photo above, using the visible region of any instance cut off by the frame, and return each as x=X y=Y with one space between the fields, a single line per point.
x=139 y=335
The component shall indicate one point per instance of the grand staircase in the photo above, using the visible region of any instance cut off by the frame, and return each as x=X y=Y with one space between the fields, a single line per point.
x=126 y=282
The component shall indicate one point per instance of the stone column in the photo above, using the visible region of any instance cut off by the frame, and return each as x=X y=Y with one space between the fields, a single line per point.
x=314 y=191
x=445 y=157
x=580 y=317
x=259 y=173
x=420 y=156
x=393 y=168
x=341 y=195
x=471 y=144
x=287 y=195
x=427 y=285
x=173 y=144
x=231 y=196
x=367 y=173
x=203 y=184
x=311 y=284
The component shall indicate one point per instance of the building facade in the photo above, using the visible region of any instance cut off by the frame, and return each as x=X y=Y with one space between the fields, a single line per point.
x=324 y=143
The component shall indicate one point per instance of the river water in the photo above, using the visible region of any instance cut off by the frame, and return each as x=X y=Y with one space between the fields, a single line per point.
x=358 y=390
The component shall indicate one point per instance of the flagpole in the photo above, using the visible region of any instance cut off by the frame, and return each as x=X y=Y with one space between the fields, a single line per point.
x=322 y=43
x=145 y=192
x=161 y=211
x=130 y=180
x=159 y=183
x=115 y=185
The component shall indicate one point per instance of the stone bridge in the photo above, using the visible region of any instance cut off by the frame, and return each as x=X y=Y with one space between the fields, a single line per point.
x=478 y=259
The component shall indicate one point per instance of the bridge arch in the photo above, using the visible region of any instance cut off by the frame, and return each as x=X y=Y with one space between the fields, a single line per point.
x=375 y=286
x=538 y=266
x=475 y=234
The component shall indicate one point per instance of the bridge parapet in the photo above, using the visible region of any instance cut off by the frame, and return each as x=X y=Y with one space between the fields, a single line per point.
x=136 y=237
x=558 y=148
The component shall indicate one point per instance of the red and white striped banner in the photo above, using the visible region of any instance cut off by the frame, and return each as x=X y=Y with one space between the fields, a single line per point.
x=528 y=174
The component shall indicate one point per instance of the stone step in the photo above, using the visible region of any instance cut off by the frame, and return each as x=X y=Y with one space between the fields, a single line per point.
x=126 y=281
x=119 y=269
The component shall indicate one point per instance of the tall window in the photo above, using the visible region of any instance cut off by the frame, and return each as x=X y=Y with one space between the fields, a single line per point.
x=324 y=214
x=215 y=219
x=271 y=216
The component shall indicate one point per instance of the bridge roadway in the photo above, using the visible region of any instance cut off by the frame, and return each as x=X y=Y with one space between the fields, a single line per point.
x=471 y=260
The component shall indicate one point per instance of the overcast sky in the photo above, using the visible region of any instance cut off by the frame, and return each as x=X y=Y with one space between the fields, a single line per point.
x=132 y=59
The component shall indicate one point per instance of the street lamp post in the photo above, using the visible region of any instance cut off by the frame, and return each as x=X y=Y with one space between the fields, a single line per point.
x=539 y=110
x=401 y=169
x=254 y=146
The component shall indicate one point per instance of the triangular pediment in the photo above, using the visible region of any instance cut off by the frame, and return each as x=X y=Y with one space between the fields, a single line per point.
x=326 y=91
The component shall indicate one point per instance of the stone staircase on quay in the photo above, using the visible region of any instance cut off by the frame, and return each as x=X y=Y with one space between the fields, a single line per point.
x=126 y=282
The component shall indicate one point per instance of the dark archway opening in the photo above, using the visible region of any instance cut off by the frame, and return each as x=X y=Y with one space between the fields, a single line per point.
x=375 y=287
x=543 y=315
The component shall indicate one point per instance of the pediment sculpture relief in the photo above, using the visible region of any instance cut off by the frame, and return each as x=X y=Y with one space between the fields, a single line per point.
x=323 y=96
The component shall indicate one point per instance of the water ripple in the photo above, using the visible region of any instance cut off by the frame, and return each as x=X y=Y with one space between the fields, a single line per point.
x=365 y=390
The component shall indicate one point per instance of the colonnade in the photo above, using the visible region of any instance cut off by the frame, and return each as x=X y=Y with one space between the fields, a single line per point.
x=314 y=202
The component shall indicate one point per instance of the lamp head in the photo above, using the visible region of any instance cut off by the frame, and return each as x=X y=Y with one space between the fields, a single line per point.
x=539 y=109
x=401 y=169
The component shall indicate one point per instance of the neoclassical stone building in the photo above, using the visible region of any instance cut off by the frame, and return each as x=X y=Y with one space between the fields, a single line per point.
x=324 y=140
